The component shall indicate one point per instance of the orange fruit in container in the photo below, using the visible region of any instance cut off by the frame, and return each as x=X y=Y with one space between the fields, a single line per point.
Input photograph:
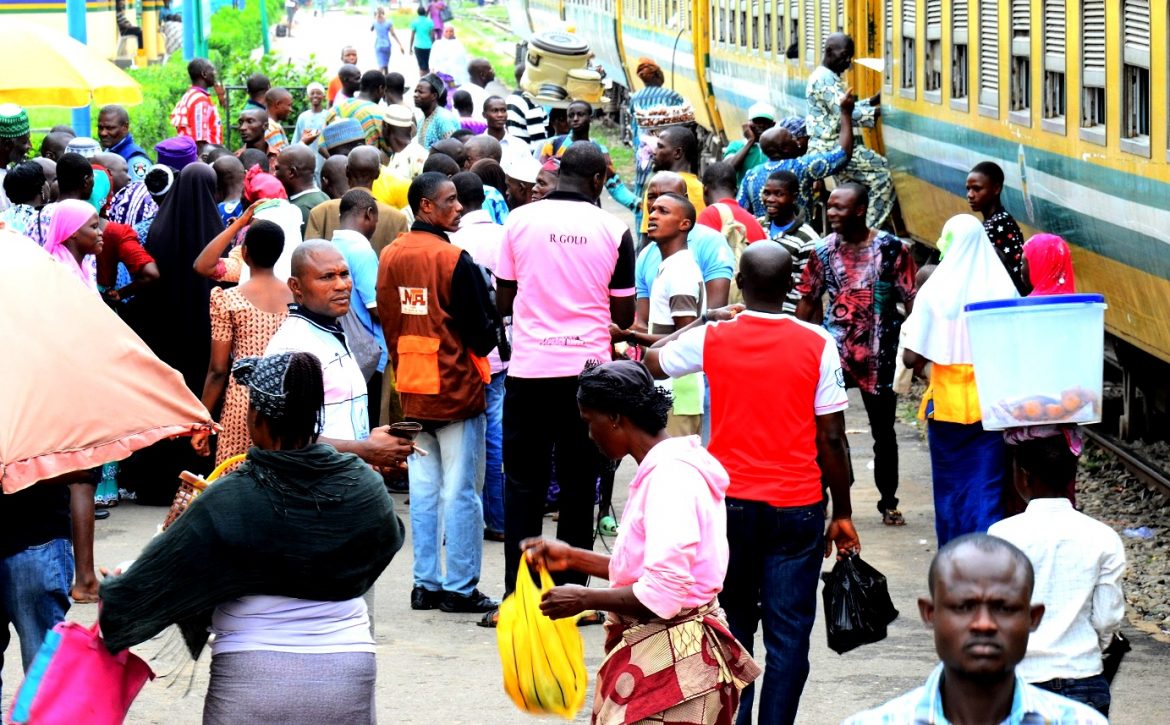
x=1071 y=400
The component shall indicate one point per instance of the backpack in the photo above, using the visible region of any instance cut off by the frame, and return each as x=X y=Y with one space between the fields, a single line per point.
x=736 y=235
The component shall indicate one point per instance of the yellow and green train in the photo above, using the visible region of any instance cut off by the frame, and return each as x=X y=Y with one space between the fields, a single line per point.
x=1068 y=96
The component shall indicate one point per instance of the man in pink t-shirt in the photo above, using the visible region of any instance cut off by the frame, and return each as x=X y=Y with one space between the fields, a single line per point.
x=566 y=270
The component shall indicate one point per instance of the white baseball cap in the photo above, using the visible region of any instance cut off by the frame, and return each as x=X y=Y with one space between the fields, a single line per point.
x=762 y=110
x=521 y=167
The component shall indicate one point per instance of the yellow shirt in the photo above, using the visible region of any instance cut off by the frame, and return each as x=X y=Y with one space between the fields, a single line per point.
x=952 y=389
x=694 y=193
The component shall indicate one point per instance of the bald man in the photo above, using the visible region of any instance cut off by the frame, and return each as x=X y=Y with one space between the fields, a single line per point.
x=787 y=153
x=480 y=147
x=981 y=609
x=828 y=116
x=333 y=181
x=775 y=530
x=362 y=167
x=54 y=143
x=294 y=167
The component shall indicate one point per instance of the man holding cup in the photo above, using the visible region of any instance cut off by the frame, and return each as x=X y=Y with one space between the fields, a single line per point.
x=437 y=315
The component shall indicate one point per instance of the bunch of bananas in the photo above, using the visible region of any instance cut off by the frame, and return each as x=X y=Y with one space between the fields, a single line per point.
x=543 y=660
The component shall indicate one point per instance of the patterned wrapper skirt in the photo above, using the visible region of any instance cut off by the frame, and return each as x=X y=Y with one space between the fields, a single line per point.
x=688 y=670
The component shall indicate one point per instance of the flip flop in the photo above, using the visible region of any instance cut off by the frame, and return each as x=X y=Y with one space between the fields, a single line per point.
x=893 y=517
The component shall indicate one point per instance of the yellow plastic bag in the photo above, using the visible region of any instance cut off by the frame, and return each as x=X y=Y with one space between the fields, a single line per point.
x=543 y=660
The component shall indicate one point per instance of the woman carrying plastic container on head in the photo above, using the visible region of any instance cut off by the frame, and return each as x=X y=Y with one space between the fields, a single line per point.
x=1048 y=268
x=969 y=466
x=667 y=568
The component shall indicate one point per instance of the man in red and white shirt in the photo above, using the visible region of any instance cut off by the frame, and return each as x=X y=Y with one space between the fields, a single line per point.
x=195 y=115
x=771 y=425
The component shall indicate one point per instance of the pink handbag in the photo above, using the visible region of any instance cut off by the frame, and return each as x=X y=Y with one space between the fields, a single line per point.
x=74 y=679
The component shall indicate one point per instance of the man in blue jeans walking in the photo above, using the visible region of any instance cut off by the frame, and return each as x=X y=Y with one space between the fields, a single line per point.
x=770 y=425
x=36 y=565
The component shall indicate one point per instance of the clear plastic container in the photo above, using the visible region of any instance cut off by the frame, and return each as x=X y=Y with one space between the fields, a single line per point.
x=1038 y=360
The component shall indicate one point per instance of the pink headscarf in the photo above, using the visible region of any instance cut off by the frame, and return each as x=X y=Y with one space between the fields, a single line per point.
x=70 y=215
x=1050 y=268
x=259 y=184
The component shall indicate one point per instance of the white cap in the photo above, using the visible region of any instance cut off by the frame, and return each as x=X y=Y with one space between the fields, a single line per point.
x=521 y=167
x=762 y=110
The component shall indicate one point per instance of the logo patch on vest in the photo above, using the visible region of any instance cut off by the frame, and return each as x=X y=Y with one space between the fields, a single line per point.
x=138 y=167
x=414 y=300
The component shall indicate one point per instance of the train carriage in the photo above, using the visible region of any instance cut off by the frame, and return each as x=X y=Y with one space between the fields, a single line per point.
x=600 y=21
x=1068 y=96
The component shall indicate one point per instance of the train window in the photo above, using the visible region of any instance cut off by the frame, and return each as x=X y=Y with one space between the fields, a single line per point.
x=810 y=34
x=1020 y=96
x=1093 y=70
x=1135 y=80
x=840 y=24
x=909 y=36
x=932 y=60
x=988 y=58
x=826 y=20
x=743 y=24
x=960 y=54
x=1055 y=100
x=781 y=26
x=793 y=52
x=888 y=43
x=755 y=26
x=767 y=34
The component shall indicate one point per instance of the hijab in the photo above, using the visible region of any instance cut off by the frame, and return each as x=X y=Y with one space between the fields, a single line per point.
x=1050 y=267
x=970 y=272
x=175 y=319
x=69 y=216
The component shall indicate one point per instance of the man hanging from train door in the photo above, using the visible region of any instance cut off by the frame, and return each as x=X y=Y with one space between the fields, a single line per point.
x=824 y=92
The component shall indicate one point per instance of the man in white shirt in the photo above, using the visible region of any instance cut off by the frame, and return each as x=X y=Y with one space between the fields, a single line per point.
x=676 y=300
x=321 y=287
x=359 y=219
x=1079 y=563
x=482 y=238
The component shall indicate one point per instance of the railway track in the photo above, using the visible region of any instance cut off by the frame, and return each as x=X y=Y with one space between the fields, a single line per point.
x=1148 y=473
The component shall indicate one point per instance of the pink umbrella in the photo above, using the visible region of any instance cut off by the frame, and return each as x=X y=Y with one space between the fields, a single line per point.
x=78 y=387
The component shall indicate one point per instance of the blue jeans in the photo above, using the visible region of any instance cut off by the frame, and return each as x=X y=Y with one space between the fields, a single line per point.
x=772 y=574
x=444 y=504
x=1092 y=691
x=493 y=477
x=34 y=595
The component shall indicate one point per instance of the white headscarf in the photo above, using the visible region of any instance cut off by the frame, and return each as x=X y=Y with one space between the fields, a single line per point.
x=970 y=272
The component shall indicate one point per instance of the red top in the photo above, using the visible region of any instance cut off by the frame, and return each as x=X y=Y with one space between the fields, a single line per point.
x=763 y=415
x=710 y=217
x=120 y=244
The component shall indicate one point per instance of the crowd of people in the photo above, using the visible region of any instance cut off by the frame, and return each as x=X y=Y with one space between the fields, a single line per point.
x=403 y=297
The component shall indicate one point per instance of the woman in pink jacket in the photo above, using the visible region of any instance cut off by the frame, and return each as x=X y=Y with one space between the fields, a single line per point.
x=667 y=566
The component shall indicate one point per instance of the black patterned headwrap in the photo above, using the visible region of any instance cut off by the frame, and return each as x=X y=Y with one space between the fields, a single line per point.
x=264 y=378
x=625 y=387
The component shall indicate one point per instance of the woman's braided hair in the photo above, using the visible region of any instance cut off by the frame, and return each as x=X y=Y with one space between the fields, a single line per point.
x=626 y=388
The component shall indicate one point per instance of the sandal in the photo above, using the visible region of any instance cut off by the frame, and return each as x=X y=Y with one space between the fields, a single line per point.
x=893 y=517
x=491 y=619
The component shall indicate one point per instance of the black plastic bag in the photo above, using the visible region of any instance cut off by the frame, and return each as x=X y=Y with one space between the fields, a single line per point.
x=1111 y=657
x=857 y=604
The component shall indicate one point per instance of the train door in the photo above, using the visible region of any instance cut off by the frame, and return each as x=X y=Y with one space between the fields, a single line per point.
x=864 y=22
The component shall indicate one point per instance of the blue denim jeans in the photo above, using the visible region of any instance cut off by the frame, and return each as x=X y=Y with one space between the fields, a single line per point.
x=1092 y=691
x=493 y=477
x=34 y=595
x=445 y=505
x=772 y=575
